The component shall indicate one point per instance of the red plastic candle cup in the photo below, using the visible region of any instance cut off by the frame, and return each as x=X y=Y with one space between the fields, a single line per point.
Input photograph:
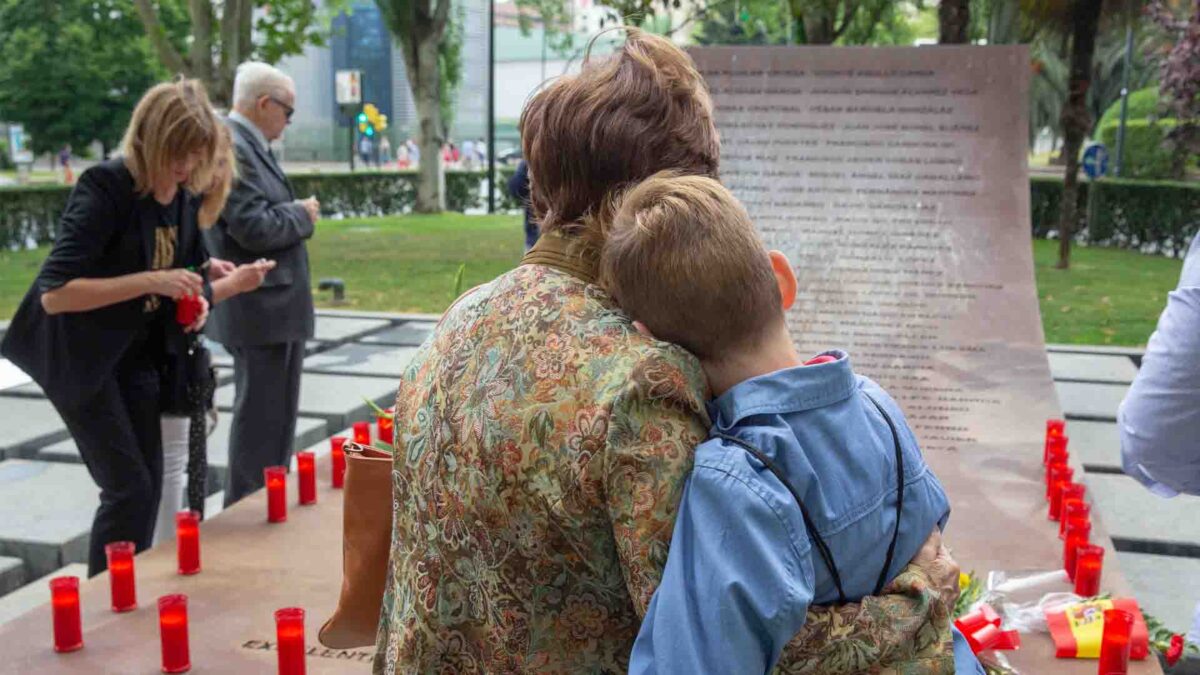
x=362 y=433
x=173 y=630
x=1073 y=509
x=289 y=633
x=306 y=470
x=1088 y=565
x=187 y=310
x=1057 y=472
x=1056 y=450
x=384 y=426
x=276 y=479
x=64 y=601
x=187 y=541
x=338 y=454
x=1114 y=646
x=120 y=575
x=1066 y=492
x=1054 y=427
x=1078 y=536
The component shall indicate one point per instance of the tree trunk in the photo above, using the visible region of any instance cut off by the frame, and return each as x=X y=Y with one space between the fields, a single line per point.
x=167 y=54
x=200 y=54
x=426 y=90
x=1003 y=23
x=954 y=21
x=1085 y=18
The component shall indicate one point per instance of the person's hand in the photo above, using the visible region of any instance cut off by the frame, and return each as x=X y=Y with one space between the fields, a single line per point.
x=219 y=269
x=312 y=206
x=250 y=276
x=174 y=283
x=198 y=324
x=935 y=560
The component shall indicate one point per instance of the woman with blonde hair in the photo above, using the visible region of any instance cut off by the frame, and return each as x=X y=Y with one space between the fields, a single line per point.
x=93 y=328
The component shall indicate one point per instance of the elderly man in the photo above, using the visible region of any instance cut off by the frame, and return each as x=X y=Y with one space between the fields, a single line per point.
x=265 y=331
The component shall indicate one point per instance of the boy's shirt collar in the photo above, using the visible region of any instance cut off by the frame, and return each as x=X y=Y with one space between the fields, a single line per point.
x=788 y=390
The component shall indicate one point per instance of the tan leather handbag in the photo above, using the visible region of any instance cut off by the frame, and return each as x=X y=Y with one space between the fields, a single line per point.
x=366 y=546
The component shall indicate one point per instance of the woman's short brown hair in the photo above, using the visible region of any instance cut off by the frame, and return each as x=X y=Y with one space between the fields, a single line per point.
x=622 y=119
x=173 y=120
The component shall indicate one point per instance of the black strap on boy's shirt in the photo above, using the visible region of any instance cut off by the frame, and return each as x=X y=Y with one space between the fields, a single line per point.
x=817 y=540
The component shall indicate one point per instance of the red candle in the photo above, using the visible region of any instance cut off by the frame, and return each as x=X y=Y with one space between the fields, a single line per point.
x=187 y=541
x=289 y=633
x=362 y=433
x=384 y=426
x=1064 y=490
x=120 y=575
x=276 y=478
x=1073 y=509
x=306 y=470
x=1114 y=646
x=64 y=601
x=1056 y=473
x=1088 y=565
x=173 y=631
x=187 y=310
x=339 y=460
x=1054 y=427
x=1056 y=450
x=1078 y=533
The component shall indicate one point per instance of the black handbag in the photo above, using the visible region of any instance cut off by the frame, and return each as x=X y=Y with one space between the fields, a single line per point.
x=186 y=370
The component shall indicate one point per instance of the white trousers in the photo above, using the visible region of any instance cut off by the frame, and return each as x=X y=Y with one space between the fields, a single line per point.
x=174 y=485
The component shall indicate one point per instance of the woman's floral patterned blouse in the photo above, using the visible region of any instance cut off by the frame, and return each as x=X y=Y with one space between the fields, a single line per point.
x=541 y=448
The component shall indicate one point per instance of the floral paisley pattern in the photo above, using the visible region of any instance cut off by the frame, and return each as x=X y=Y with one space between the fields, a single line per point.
x=541 y=448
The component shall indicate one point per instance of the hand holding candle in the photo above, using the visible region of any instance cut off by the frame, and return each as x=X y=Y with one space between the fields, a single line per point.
x=289 y=634
x=187 y=541
x=173 y=632
x=276 y=479
x=120 y=575
x=306 y=474
x=338 y=455
x=64 y=601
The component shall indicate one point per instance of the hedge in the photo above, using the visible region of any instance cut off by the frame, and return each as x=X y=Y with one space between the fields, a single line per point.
x=1145 y=154
x=29 y=214
x=1143 y=104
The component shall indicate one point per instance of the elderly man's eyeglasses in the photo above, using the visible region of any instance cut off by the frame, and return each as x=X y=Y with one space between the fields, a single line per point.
x=287 y=109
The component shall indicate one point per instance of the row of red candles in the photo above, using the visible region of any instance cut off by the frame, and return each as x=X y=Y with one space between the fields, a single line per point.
x=172 y=609
x=1082 y=560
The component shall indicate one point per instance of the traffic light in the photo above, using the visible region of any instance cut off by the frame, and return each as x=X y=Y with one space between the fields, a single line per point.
x=370 y=120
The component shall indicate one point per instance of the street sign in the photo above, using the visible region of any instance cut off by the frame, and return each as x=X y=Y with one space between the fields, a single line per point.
x=1095 y=161
x=348 y=87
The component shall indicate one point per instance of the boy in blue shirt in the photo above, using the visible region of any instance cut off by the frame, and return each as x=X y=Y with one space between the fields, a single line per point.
x=811 y=488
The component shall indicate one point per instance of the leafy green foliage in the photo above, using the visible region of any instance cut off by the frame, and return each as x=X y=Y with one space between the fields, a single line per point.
x=450 y=66
x=1146 y=152
x=1144 y=104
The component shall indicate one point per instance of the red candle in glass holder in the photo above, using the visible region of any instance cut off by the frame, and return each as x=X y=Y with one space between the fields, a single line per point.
x=64 y=601
x=289 y=633
x=120 y=575
x=1088 y=565
x=173 y=631
x=1065 y=492
x=187 y=541
x=1073 y=509
x=384 y=426
x=306 y=470
x=1114 y=646
x=1056 y=450
x=187 y=310
x=362 y=433
x=1078 y=536
x=1057 y=472
x=1054 y=427
x=338 y=454
x=276 y=479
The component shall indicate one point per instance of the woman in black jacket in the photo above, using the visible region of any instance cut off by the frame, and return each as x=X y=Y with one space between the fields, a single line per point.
x=93 y=328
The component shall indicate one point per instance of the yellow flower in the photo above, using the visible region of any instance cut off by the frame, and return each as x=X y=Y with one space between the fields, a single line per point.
x=964 y=580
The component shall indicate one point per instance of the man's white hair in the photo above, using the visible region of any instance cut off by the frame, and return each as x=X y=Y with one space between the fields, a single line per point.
x=256 y=79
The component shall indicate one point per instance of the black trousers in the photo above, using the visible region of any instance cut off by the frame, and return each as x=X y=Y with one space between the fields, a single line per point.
x=267 y=381
x=120 y=441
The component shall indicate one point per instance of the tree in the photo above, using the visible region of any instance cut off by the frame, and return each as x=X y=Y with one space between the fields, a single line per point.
x=954 y=21
x=54 y=53
x=1180 y=82
x=419 y=27
x=823 y=22
x=217 y=35
x=745 y=22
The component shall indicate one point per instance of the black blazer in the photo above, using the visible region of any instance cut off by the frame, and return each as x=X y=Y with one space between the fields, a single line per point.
x=106 y=230
x=261 y=220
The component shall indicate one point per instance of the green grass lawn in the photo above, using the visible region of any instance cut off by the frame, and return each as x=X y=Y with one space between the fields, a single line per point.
x=408 y=264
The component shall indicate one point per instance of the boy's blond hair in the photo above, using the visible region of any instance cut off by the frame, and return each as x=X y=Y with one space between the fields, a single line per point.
x=683 y=258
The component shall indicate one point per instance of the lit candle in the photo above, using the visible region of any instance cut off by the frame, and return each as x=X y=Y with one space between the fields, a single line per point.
x=338 y=453
x=1057 y=472
x=1073 y=509
x=1088 y=566
x=120 y=575
x=362 y=433
x=276 y=479
x=306 y=470
x=1114 y=646
x=64 y=601
x=1078 y=533
x=173 y=631
x=1056 y=450
x=187 y=541
x=1054 y=427
x=384 y=426
x=1066 y=492
x=289 y=633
